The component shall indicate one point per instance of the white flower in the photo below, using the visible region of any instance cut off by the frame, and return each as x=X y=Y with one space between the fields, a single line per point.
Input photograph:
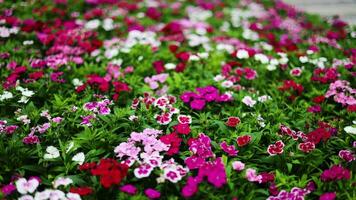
x=350 y=129
x=110 y=53
x=242 y=54
x=62 y=181
x=26 y=197
x=133 y=118
x=271 y=67
x=170 y=66
x=27 y=42
x=92 y=24
x=76 y=82
x=247 y=100
x=52 y=152
x=219 y=77
x=108 y=24
x=24 y=186
x=227 y=84
x=23 y=99
x=73 y=196
x=79 y=157
x=263 y=98
x=303 y=59
x=262 y=58
x=194 y=58
x=50 y=194
x=27 y=93
x=6 y=95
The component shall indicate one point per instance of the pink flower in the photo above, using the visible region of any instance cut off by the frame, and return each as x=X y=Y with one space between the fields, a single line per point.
x=238 y=165
x=252 y=176
x=152 y=193
x=57 y=120
x=247 y=100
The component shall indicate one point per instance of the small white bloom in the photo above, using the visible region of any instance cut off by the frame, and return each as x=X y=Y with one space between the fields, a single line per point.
x=271 y=67
x=227 y=84
x=219 y=77
x=194 y=58
x=79 y=157
x=62 y=181
x=350 y=129
x=24 y=186
x=133 y=118
x=303 y=59
x=170 y=66
x=26 y=197
x=108 y=24
x=27 y=42
x=73 y=196
x=92 y=24
x=76 y=82
x=262 y=58
x=263 y=98
x=242 y=54
x=6 y=95
x=52 y=152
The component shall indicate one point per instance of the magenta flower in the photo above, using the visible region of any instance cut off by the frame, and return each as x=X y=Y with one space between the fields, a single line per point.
x=152 y=193
x=129 y=189
x=328 y=196
x=197 y=104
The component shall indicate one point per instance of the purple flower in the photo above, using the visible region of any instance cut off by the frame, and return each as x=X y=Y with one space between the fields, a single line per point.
x=152 y=193
x=229 y=149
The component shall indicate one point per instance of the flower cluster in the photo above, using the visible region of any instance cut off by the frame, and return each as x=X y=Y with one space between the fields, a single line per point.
x=197 y=101
x=149 y=156
x=336 y=172
x=342 y=93
x=213 y=170
x=295 y=193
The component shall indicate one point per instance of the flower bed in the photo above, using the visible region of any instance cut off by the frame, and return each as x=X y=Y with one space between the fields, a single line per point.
x=107 y=99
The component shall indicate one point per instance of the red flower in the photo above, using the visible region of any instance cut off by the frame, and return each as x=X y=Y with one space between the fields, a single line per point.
x=82 y=191
x=318 y=134
x=243 y=140
x=182 y=128
x=318 y=99
x=277 y=148
x=233 y=121
x=306 y=147
x=174 y=141
x=87 y=166
x=110 y=171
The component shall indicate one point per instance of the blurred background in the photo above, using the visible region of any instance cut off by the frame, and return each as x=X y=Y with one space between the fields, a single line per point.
x=346 y=9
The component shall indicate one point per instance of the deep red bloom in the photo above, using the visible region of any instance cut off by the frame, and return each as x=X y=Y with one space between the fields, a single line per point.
x=110 y=171
x=233 y=121
x=243 y=140
x=319 y=99
x=182 y=128
x=174 y=141
x=82 y=191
